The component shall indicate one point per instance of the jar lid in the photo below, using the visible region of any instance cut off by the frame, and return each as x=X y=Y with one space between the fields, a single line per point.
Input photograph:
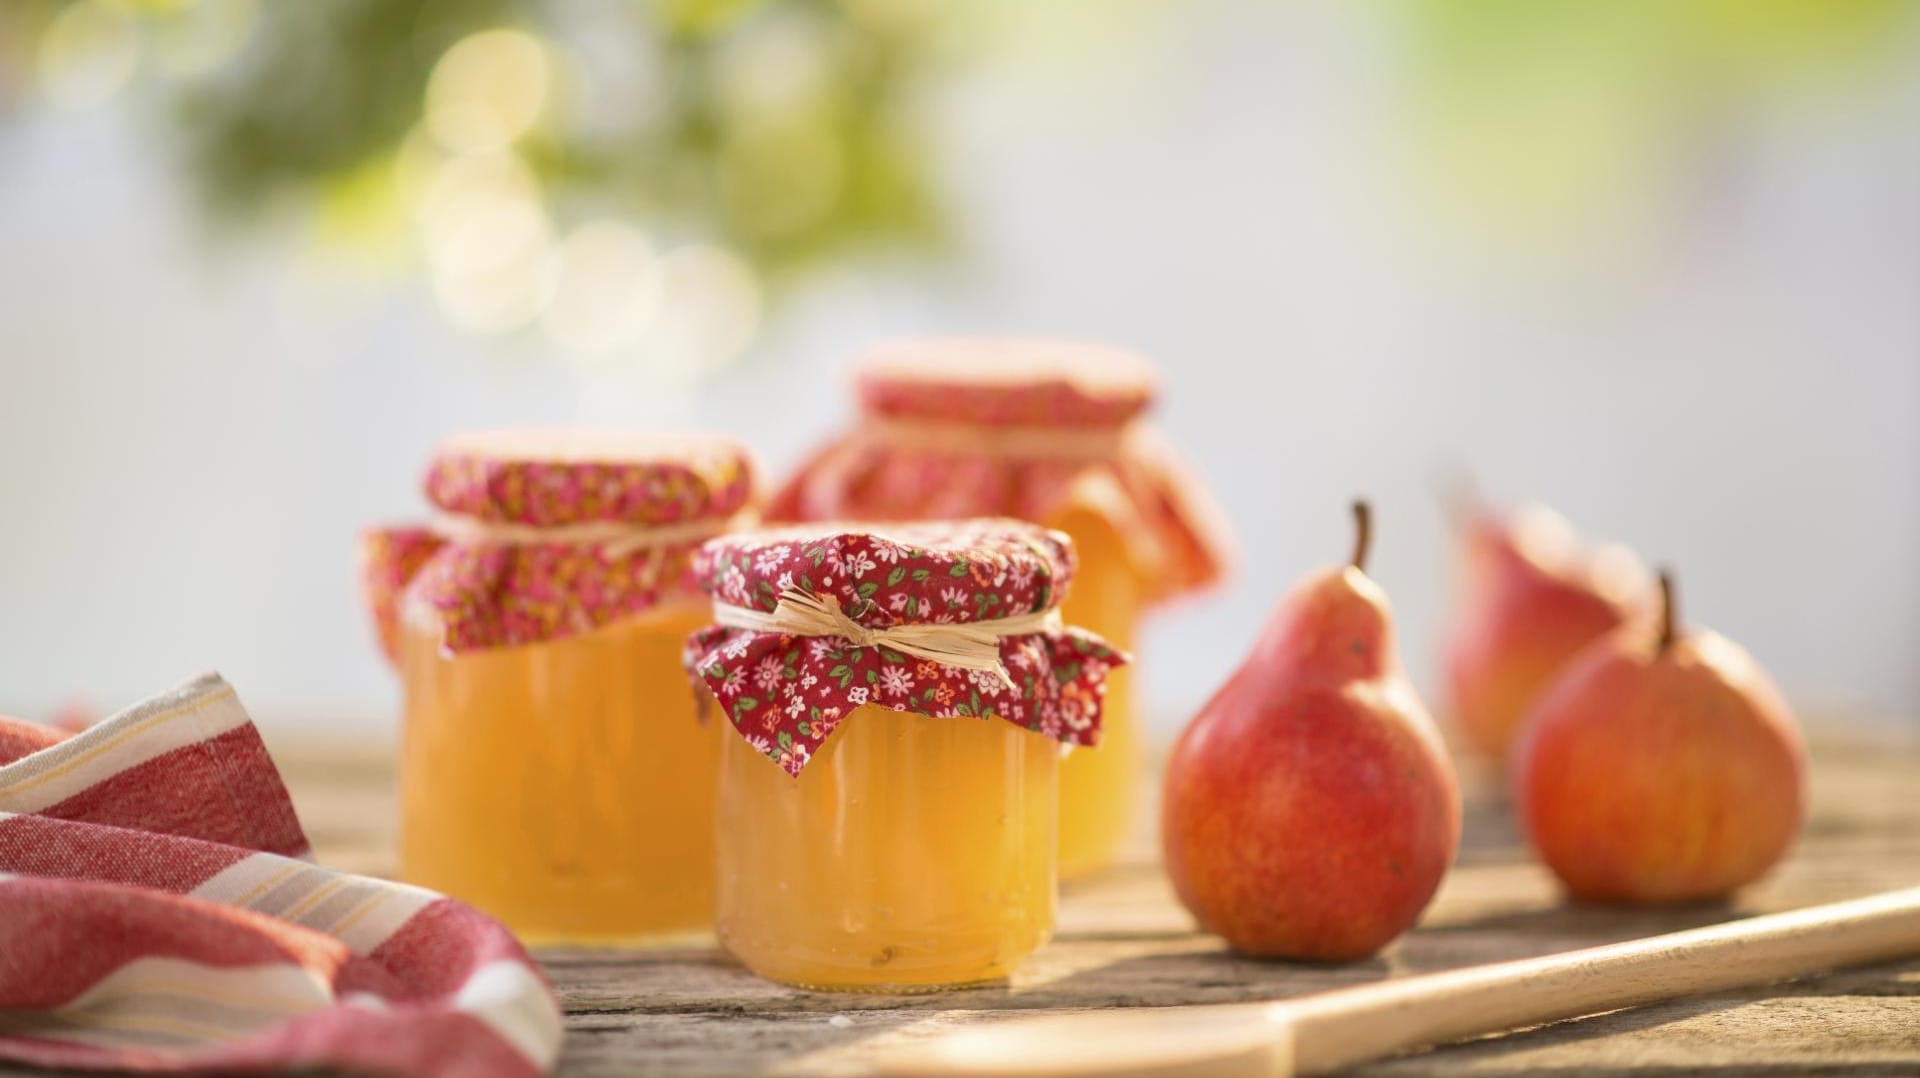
x=881 y=575
x=546 y=534
x=546 y=477
x=389 y=560
x=1006 y=381
x=949 y=619
x=1017 y=427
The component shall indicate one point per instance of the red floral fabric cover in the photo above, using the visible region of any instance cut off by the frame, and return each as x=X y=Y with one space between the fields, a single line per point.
x=786 y=694
x=389 y=559
x=487 y=593
x=1178 y=539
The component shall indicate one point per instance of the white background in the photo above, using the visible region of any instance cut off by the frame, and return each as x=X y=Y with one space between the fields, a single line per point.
x=191 y=435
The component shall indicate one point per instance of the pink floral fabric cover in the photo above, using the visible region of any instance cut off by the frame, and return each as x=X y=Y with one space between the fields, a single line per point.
x=786 y=694
x=389 y=559
x=488 y=594
x=1179 y=540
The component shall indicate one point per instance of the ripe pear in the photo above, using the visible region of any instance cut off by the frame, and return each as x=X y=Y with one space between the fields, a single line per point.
x=1532 y=594
x=1662 y=766
x=1310 y=809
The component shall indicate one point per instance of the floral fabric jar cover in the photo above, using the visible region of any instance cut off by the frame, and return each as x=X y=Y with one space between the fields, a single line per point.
x=785 y=693
x=1015 y=427
x=544 y=535
x=537 y=625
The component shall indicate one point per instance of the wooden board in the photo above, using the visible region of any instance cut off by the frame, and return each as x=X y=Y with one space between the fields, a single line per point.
x=1124 y=942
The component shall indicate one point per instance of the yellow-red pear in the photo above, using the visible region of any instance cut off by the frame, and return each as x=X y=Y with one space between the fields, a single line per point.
x=1531 y=595
x=1310 y=809
x=1661 y=766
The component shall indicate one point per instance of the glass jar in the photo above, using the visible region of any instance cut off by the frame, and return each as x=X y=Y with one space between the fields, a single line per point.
x=912 y=853
x=1050 y=432
x=887 y=818
x=1098 y=789
x=534 y=779
x=548 y=732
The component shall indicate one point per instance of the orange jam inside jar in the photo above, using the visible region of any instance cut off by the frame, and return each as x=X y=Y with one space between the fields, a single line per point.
x=911 y=853
x=553 y=770
x=898 y=697
x=1097 y=789
x=1051 y=432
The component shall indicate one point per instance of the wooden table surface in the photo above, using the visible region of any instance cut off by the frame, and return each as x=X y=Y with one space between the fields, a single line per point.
x=1124 y=942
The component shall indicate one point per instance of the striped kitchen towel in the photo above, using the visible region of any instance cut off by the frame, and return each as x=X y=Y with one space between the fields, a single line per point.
x=159 y=912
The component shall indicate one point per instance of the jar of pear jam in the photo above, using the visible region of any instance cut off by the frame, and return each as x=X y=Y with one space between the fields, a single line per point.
x=888 y=795
x=1051 y=432
x=548 y=734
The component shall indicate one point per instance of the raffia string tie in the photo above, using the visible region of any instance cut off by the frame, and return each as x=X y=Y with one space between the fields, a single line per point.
x=616 y=537
x=1041 y=443
x=970 y=645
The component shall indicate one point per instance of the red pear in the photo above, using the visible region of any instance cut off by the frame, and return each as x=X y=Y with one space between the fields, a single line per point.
x=1531 y=596
x=1662 y=766
x=1310 y=809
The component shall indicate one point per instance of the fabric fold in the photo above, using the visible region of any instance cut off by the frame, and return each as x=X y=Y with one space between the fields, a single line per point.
x=786 y=692
x=544 y=535
x=1035 y=429
x=159 y=913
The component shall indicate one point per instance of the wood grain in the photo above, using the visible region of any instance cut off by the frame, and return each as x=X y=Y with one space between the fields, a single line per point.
x=1124 y=942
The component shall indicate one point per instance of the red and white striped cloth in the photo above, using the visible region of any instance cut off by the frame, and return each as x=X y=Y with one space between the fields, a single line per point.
x=159 y=912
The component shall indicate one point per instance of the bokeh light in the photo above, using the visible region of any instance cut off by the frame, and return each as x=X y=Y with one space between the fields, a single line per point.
x=710 y=307
x=465 y=140
x=488 y=242
x=607 y=288
x=488 y=91
x=780 y=64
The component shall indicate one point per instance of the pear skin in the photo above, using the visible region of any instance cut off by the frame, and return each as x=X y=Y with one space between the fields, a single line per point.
x=1531 y=596
x=1310 y=809
x=1662 y=766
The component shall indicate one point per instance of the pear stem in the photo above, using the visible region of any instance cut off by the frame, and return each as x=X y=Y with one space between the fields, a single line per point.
x=1669 y=611
x=1362 y=533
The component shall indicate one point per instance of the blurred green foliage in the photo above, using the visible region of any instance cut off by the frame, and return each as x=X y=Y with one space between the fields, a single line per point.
x=1557 y=118
x=787 y=130
x=654 y=114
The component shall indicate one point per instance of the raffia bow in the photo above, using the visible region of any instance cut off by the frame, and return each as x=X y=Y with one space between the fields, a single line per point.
x=969 y=645
x=616 y=538
x=1018 y=442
